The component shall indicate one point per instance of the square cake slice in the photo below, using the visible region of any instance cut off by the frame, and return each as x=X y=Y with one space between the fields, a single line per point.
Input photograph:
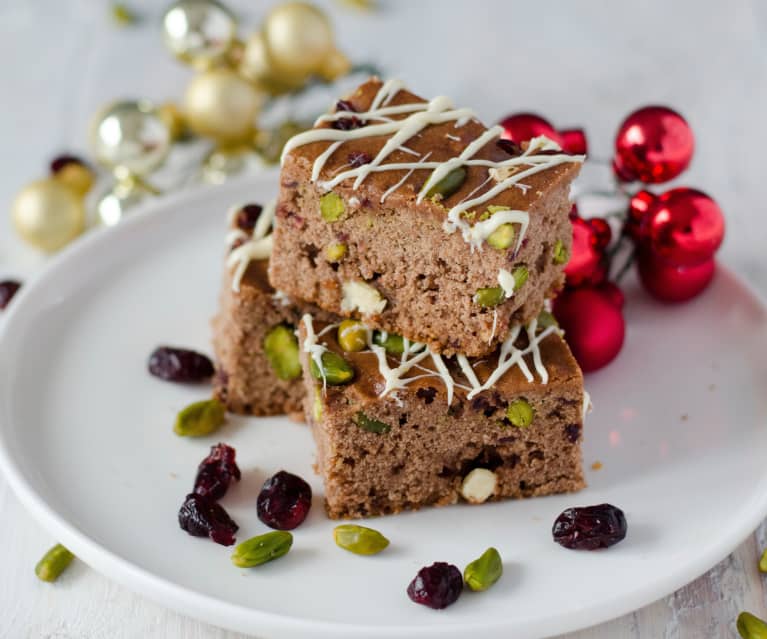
x=398 y=427
x=442 y=232
x=258 y=368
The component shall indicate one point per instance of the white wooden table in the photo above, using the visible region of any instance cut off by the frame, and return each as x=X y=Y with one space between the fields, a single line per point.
x=586 y=63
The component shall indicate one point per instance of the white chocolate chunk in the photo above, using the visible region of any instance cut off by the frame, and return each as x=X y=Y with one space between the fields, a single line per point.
x=479 y=485
x=506 y=280
x=358 y=296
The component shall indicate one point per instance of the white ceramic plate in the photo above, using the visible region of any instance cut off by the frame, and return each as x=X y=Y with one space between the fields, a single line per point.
x=86 y=442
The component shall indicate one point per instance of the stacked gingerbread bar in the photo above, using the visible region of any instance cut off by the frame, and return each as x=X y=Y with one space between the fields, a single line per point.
x=418 y=249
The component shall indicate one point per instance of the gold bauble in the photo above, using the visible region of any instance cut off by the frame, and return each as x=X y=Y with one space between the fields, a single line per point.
x=130 y=137
x=48 y=214
x=224 y=163
x=298 y=38
x=114 y=205
x=257 y=67
x=199 y=32
x=76 y=176
x=336 y=64
x=172 y=117
x=222 y=105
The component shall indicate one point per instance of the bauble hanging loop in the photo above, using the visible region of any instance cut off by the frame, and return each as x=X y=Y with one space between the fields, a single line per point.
x=653 y=144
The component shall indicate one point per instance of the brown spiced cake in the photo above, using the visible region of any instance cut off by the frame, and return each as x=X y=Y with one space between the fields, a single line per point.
x=399 y=427
x=416 y=218
x=258 y=369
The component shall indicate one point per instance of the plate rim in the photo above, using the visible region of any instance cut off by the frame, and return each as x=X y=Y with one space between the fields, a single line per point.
x=220 y=612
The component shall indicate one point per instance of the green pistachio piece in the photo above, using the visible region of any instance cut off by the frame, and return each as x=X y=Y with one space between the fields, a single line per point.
x=359 y=540
x=560 y=253
x=258 y=550
x=336 y=369
x=751 y=627
x=546 y=319
x=335 y=252
x=448 y=184
x=494 y=208
x=53 y=563
x=371 y=425
x=200 y=418
x=352 y=336
x=763 y=562
x=487 y=297
x=520 y=276
x=281 y=349
x=502 y=237
x=520 y=413
x=393 y=343
x=482 y=573
x=331 y=207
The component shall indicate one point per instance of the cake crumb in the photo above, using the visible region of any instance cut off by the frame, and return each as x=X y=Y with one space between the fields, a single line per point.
x=173 y=476
x=597 y=465
x=684 y=417
x=712 y=387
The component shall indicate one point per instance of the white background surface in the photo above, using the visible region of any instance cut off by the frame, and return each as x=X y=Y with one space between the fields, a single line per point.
x=586 y=63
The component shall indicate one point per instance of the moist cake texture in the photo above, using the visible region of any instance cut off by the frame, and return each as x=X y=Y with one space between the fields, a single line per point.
x=258 y=369
x=416 y=218
x=411 y=428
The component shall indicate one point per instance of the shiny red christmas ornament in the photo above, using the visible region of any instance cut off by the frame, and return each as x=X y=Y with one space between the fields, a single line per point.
x=653 y=144
x=684 y=226
x=521 y=127
x=593 y=323
x=588 y=262
x=670 y=283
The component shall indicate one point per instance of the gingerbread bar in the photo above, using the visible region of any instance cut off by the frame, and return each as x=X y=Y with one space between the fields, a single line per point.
x=399 y=427
x=414 y=217
x=258 y=370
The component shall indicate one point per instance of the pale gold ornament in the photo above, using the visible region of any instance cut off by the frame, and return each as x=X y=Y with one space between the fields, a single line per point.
x=76 y=176
x=126 y=194
x=199 y=32
x=48 y=214
x=222 y=105
x=298 y=37
x=130 y=137
x=171 y=115
x=336 y=64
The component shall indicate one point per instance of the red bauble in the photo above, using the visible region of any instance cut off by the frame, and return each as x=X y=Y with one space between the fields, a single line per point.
x=654 y=144
x=593 y=324
x=685 y=227
x=588 y=263
x=670 y=283
x=521 y=127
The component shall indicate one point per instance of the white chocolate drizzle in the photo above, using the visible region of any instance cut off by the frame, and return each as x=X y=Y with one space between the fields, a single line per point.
x=397 y=373
x=257 y=246
x=587 y=406
x=418 y=116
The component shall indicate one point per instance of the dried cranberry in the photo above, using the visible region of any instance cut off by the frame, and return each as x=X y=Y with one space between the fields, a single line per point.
x=512 y=148
x=590 y=527
x=573 y=432
x=64 y=160
x=247 y=217
x=216 y=472
x=284 y=501
x=203 y=517
x=426 y=394
x=347 y=123
x=358 y=158
x=179 y=365
x=8 y=288
x=436 y=586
